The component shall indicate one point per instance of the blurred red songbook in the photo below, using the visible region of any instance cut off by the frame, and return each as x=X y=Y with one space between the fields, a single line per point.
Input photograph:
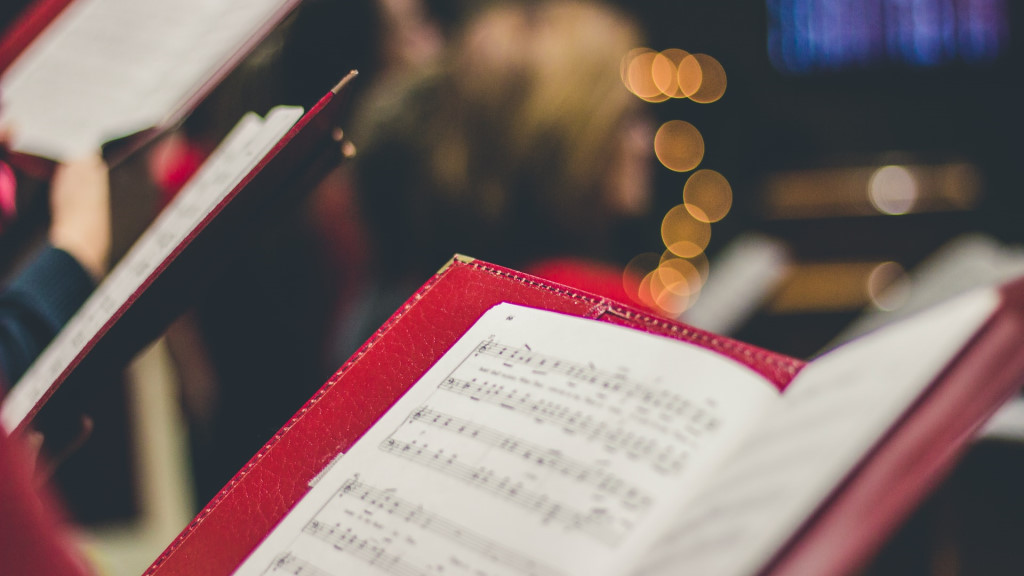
x=262 y=166
x=76 y=75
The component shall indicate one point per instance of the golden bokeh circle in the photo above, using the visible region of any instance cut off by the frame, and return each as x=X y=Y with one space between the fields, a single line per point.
x=679 y=146
x=636 y=270
x=638 y=75
x=665 y=71
x=689 y=75
x=680 y=276
x=626 y=61
x=707 y=195
x=712 y=80
x=700 y=262
x=666 y=298
x=644 y=294
x=683 y=234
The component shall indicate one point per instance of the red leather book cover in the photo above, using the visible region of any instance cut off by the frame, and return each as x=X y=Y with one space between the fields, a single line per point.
x=299 y=158
x=376 y=376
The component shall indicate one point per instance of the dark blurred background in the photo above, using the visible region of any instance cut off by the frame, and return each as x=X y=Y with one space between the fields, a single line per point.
x=822 y=93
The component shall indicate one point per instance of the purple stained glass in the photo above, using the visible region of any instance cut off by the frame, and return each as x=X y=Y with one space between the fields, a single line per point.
x=812 y=35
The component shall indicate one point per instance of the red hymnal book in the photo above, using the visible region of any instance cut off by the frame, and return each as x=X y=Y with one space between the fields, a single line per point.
x=263 y=165
x=77 y=74
x=499 y=423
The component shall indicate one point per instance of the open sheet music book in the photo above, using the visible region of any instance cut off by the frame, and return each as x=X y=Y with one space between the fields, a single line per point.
x=104 y=69
x=262 y=162
x=548 y=444
x=499 y=424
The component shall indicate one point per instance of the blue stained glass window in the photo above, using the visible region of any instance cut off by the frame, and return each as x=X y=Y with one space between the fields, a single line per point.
x=806 y=36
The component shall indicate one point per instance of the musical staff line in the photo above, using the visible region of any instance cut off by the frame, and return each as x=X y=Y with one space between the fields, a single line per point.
x=661 y=399
x=664 y=459
x=289 y=563
x=348 y=541
x=539 y=455
x=597 y=523
x=442 y=526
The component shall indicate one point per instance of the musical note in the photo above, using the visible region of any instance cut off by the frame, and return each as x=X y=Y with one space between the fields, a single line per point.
x=291 y=564
x=534 y=454
x=433 y=522
x=597 y=525
x=664 y=458
x=350 y=542
x=670 y=403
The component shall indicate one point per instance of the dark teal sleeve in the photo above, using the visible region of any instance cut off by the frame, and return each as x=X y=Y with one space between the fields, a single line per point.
x=34 y=307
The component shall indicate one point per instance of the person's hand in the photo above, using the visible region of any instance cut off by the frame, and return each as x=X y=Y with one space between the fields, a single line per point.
x=80 y=212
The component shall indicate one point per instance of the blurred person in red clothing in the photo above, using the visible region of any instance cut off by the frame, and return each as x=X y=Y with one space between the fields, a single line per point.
x=34 y=540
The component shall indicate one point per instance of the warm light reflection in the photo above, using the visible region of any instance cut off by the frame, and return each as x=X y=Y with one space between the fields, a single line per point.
x=683 y=234
x=626 y=61
x=697 y=212
x=665 y=71
x=667 y=283
x=669 y=299
x=679 y=146
x=670 y=283
x=638 y=75
x=699 y=262
x=712 y=79
x=688 y=75
x=867 y=190
x=644 y=294
x=835 y=286
x=888 y=286
x=635 y=272
x=686 y=249
x=707 y=195
x=893 y=190
x=681 y=276
x=675 y=282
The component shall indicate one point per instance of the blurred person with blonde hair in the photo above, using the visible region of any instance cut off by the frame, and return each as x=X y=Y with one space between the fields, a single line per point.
x=521 y=146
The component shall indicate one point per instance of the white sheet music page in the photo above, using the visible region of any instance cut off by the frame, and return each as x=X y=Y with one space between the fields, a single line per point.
x=108 y=68
x=540 y=444
x=831 y=415
x=248 y=142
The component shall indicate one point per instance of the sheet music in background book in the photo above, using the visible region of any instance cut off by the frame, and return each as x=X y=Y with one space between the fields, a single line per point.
x=964 y=263
x=104 y=69
x=496 y=424
x=260 y=163
x=246 y=145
